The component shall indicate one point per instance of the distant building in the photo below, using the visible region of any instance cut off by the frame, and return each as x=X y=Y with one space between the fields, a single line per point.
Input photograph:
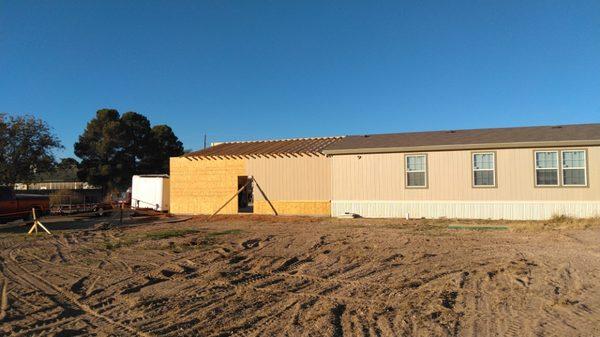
x=503 y=173
x=55 y=185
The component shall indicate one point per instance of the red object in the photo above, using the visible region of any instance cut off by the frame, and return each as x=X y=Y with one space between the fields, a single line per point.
x=18 y=206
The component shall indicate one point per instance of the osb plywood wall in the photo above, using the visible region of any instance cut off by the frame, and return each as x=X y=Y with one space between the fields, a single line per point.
x=295 y=186
x=296 y=207
x=202 y=186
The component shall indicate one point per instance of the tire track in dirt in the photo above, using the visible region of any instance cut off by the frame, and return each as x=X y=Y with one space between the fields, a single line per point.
x=48 y=288
x=387 y=284
x=284 y=270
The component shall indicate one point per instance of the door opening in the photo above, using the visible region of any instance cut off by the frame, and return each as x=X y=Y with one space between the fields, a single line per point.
x=246 y=196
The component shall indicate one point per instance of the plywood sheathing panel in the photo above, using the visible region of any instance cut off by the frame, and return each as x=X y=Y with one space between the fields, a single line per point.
x=294 y=207
x=201 y=187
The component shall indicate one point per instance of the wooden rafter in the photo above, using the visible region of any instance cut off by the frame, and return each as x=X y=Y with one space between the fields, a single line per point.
x=266 y=149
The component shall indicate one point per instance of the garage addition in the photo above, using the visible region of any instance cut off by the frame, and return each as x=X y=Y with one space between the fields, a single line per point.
x=294 y=175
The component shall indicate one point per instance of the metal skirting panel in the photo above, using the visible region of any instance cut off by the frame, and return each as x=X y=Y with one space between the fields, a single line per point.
x=509 y=210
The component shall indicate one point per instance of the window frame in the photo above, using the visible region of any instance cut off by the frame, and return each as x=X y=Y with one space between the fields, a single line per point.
x=585 y=168
x=426 y=170
x=494 y=169
x=558 y=170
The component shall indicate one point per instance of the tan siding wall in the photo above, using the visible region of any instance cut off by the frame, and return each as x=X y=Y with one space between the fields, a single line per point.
x=295 y=186
x=202 y=186
x=381 y=177
x=301 y=178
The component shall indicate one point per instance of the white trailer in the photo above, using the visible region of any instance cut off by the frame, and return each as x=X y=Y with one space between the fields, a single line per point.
x=150 y=191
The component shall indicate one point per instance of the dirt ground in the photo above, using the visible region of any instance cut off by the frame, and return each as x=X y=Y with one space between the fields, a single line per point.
x=293 y=276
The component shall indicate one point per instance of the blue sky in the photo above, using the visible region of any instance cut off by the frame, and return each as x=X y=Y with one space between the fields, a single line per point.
x=244 y=70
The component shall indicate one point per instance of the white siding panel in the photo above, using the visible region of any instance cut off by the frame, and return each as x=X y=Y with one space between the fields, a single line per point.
x=509 y=210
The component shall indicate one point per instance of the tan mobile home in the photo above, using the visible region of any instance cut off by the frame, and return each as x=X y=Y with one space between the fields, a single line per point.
x=508 y=173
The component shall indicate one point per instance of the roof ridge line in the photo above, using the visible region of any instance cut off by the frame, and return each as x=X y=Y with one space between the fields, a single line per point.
x=279 y=140
x=551 y=126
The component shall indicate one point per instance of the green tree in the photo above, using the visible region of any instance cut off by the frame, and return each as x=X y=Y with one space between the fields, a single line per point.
x=3 y=137
x=64 y=170
x=167 y=145
x=137 y=143
x=67 y=164
x=113 y=148
x=102 y=153
x=26 y=148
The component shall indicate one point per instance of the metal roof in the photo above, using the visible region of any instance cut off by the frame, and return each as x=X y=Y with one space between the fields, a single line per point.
x=518 y=137
x=267 y=148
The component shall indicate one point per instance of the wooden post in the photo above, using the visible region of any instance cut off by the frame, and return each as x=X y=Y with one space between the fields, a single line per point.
x=265 y=196
x=4 y=299
x=37 y=223
x=233 y=196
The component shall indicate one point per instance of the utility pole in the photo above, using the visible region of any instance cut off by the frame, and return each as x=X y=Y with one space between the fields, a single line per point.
x=205 y=140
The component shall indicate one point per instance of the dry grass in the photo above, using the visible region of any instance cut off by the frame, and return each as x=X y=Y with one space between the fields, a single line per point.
x=169 y=233
x=557 y=222
x=155 y=239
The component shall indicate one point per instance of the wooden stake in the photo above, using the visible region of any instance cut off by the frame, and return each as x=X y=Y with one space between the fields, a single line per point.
x=233 y=196
x=37 y=223
x=265 y=196
x=4 y=299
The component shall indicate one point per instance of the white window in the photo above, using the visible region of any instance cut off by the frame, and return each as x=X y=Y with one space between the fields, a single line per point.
x=484 y=169
x=574 y=168
x=416 y=170
x=546 y=168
